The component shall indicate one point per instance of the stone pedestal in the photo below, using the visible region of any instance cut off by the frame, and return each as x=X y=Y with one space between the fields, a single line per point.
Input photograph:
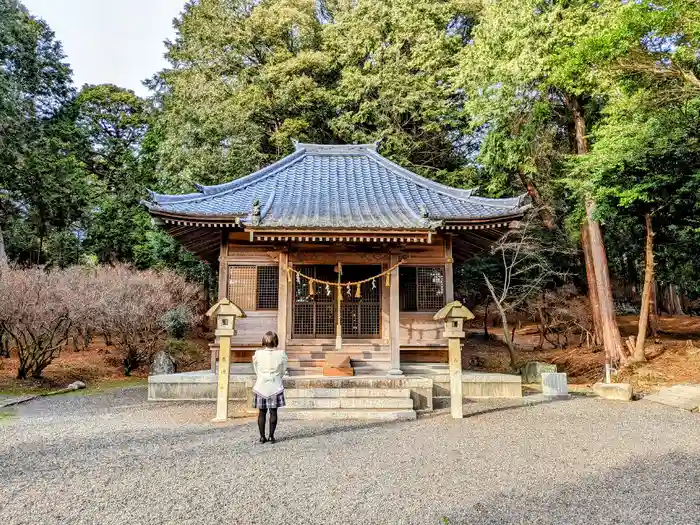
x=554 y=384
x=616 y=391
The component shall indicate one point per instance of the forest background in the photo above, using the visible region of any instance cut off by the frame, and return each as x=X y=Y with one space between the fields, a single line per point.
x=592 y=108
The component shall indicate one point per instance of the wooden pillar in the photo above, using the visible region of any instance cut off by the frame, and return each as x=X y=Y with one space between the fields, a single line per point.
x=223 y=266
x=395 y=344
x=223 y=292
x=449 y=272
x=282 y=300
x=455 y=360
x=223 y=380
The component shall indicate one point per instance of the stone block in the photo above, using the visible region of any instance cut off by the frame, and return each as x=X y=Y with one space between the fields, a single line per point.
x=370 y=403
x=554 y=384
x=616 y=391
x=331 y=371
x=685 y=397
x=532 y=371
x=349 y=414
x=313 y=402
x=162 y=364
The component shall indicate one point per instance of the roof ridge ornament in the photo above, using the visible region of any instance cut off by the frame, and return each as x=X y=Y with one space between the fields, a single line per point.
x=255 y=215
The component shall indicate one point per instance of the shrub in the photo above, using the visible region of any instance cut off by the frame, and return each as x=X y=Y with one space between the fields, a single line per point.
x=184 y=353
x=40 y=311
x=178 y=321
x=34 y=317
x=132 y=308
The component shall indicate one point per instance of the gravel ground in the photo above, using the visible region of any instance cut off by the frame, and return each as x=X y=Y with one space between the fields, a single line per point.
x=113 y=459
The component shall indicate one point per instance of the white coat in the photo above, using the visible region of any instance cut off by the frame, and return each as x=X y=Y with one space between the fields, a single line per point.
x=269 y=365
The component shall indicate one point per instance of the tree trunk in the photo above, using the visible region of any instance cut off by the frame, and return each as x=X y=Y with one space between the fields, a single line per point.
x=592 y=286
x=646 y=292
x=4 y=263
x=542 y=209
x=504 y=321
x=486 y=318
x=611 y=332
x=654 y=309
x=672 y=302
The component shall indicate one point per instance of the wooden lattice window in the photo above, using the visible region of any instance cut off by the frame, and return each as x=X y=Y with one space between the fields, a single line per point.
x=314 y=316
x=422 y=288
x=254 y=287
x=360 y=316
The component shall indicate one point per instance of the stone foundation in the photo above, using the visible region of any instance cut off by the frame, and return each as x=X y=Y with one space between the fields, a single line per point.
x=426 y=392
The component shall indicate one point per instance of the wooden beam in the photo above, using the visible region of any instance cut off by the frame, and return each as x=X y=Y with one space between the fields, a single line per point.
x=282 y=298
x=449 y=275
x=394 y=319
x=223 y=270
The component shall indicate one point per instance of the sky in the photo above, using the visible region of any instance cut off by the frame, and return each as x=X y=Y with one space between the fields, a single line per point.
x=111 y=41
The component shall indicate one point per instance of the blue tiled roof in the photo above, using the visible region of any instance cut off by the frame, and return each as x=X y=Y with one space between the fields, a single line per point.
x=336 y=187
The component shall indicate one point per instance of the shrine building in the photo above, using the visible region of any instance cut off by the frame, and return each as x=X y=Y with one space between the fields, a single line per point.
x=281 y=234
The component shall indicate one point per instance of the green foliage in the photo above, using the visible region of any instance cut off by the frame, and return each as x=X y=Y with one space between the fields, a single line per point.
x=177 y=322
x=468 y=93
x=40 y=171
x=397 y=61
x=160 y=251
x=246 y=78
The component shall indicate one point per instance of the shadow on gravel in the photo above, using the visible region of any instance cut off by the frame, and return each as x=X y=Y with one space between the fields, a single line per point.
x=312 y=431
x=661 y=489
x=474 y=408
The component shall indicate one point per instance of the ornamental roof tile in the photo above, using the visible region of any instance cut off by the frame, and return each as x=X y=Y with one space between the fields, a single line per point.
x=335 y=187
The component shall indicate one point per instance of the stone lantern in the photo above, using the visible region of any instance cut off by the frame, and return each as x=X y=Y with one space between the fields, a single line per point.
x=453 y=316
x=226 y=313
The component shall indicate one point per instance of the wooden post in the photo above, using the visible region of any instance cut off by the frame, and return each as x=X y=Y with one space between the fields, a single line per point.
x=223 y=266
x=395 y=332
x=338 y=324
x=455 y=359
x=283 y=303
x=223 y=291
x=223 y=381
x=449 y=272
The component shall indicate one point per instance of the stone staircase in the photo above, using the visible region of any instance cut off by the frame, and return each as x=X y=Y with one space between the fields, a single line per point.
x=366 y=359
x=319 y=399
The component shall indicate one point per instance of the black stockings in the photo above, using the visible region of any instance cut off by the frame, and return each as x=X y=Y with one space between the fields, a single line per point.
x=262 y=415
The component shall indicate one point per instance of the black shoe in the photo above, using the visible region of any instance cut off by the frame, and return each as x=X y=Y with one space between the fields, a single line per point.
x=272 y=439
x=263 y=440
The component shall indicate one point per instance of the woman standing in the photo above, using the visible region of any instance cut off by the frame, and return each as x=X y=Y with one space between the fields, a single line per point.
x=270 y=364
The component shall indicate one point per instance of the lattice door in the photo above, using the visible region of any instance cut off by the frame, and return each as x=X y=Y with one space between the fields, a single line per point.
x=360 y=316
x=314 y=315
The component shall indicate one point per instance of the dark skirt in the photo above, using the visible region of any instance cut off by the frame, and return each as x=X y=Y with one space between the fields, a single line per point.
x=274 y=401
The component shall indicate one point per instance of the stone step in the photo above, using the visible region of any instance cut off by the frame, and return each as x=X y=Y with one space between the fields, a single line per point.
x=367 y=369
x=425 y=368
x=355 y=356
x=305 y=371
x=348 y=346
x=350 y=402
x=347 y=392
x=348 y=414
x=441 y=402
x=305 y=363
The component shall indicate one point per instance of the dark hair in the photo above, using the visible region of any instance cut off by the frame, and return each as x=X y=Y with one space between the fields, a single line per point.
x=270 y=340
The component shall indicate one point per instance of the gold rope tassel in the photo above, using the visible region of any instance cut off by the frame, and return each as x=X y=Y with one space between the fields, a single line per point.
x=289 y=275
x=387 y=281
x=312 y=290
x=358 y=293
